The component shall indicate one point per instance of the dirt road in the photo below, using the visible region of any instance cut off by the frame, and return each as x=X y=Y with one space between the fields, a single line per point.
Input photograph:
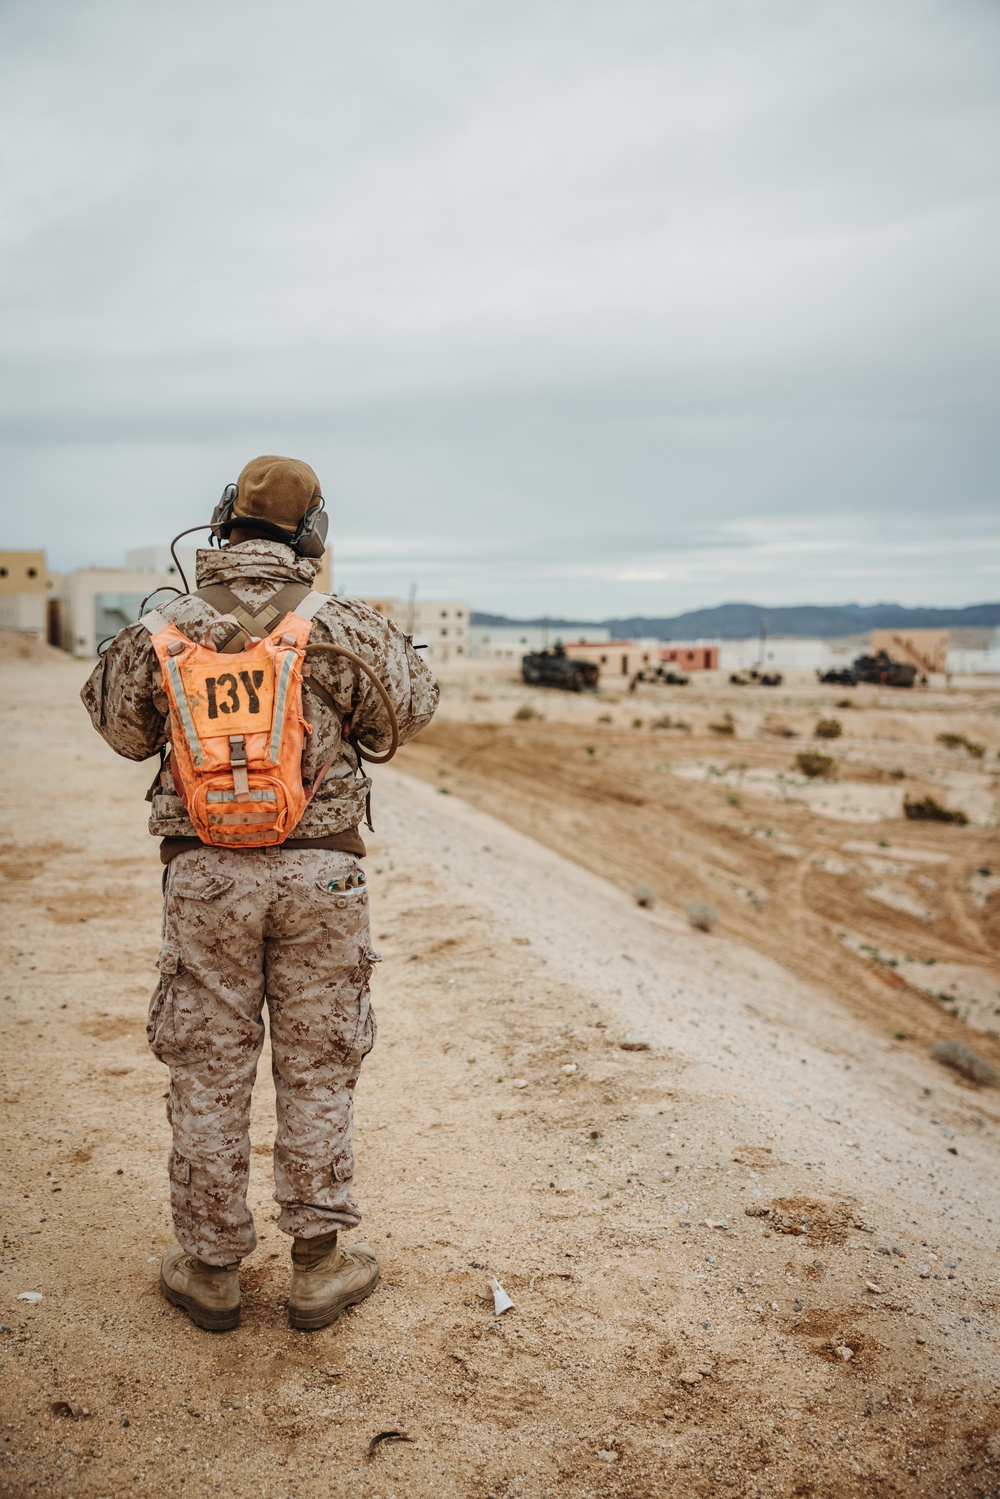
x=753 y=1253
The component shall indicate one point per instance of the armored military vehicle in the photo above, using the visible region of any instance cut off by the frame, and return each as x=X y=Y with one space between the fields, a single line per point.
x=880 y=669
x=555 y=669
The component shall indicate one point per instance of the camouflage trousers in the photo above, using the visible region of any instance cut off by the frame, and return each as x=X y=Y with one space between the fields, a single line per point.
x=239 y=927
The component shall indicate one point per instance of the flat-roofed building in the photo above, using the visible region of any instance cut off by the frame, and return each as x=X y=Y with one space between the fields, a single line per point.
x=615 y=658
x=927 y=650
x=27 y=595
x=97 y=602
x=691 y=657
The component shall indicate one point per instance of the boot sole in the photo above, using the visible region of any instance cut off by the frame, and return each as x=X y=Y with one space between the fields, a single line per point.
x=202 y=1316
x=313 y=1321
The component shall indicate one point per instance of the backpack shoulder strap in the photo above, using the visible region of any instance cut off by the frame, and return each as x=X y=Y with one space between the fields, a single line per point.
x=225 y=601
x=309 y=606
x=154 y=621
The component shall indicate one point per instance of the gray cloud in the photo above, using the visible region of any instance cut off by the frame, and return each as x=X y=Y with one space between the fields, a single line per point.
x=574 y=307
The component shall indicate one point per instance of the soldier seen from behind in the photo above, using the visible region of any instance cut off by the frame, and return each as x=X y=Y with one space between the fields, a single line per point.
x=258 y=694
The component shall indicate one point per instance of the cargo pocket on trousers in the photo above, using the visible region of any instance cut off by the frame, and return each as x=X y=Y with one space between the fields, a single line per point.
x=175 y=1026
x=178 y=1169
x=365 y=1029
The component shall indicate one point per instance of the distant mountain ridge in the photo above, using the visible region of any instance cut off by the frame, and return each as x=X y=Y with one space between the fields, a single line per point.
x=738 y=621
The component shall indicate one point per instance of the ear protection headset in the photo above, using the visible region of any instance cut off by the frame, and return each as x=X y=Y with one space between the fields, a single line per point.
x=308 y=540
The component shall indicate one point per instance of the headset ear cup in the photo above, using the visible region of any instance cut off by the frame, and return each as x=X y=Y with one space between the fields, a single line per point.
x=310 y=540
x=222 y=515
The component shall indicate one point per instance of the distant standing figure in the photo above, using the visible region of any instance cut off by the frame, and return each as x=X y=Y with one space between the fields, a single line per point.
x=258 y=803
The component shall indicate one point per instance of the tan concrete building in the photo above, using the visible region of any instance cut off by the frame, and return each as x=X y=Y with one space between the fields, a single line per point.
x=615 y=658
x=927 y=650
x=691 y=657
x=28 y=602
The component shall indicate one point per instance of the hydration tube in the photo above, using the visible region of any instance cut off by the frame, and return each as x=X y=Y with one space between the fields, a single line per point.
x=341 y=650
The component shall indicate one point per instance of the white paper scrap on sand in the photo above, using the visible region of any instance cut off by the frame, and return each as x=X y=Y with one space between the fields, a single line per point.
x=29 y=1296
x=501 y=1301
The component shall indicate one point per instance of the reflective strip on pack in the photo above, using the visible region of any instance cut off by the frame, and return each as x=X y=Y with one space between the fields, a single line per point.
x=241 y=819
x=183 y=708
x=280 y=704
x=229 y=796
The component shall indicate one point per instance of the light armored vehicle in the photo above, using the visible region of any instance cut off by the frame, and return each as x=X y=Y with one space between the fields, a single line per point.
x=879 y=669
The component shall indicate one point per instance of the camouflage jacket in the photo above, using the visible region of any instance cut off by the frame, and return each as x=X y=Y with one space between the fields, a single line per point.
x=131 y=713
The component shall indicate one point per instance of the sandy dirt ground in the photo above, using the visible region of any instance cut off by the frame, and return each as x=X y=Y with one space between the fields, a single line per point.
x=749 y=1234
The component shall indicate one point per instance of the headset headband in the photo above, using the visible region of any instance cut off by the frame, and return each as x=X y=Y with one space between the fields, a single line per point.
x=308 y=540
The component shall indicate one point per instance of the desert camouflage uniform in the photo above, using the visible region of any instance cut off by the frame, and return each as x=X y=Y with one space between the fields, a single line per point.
x=287 y=924
x=132 y=716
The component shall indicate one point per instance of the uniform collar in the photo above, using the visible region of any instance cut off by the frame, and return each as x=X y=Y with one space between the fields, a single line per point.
x=249 y=561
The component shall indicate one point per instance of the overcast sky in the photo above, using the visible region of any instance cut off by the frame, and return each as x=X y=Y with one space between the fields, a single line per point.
x=589 y=308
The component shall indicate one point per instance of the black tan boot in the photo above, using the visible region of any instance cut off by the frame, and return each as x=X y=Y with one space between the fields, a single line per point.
x=210 y=1294
x=326 y=1279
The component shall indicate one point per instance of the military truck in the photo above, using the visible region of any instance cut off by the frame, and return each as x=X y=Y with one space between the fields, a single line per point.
x=555 y=669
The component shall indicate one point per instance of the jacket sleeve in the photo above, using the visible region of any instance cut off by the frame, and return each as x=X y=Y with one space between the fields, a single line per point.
x=124 y=705
x=411 y=686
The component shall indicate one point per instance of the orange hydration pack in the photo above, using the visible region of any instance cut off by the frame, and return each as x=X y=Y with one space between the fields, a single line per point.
x=237 y=728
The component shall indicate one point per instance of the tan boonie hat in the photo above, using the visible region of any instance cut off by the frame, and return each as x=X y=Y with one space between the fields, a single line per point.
x=279 y=490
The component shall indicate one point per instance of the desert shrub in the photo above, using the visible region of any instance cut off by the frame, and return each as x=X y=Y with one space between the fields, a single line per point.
x=813 y=764
x=929 y=810
x=644 y=896
x=844 y=702
x=725 y=727
x=668 y=723
x=779 y=728
x=966 y=1061
x=526 y=712
x=605 y=718
x=701 y=917
x=959 y=741
x=637 y=723
x=828 y=728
